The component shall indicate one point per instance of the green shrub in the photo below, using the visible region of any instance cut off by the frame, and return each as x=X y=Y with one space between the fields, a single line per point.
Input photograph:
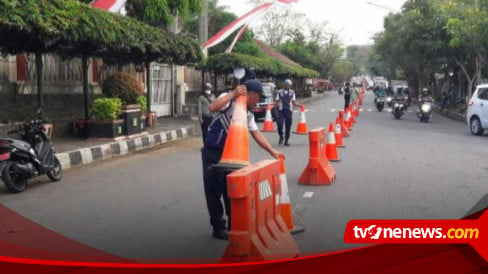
x=124 y=86
x=142 y=101
x=106 y=109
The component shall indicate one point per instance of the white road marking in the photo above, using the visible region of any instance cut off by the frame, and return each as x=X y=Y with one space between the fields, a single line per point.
x=308 y=195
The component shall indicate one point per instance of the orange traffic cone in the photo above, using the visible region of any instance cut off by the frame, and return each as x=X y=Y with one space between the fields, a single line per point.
x=236 y=150
x=347 y=120
x=285 y=204
x=344 y=130
x=268 y=120
x=353 y=113
x=338 y=134
x=302 y=125
x=331 y=148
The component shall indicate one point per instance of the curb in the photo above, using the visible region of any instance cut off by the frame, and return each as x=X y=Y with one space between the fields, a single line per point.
x=452 y=115
x=107 y=151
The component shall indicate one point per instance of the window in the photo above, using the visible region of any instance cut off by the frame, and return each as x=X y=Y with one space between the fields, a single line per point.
x=483 y=93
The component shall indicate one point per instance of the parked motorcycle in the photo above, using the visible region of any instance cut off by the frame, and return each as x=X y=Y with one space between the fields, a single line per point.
x=31 y=156
x=380 y=102
x=398 y=108
x=425 y=112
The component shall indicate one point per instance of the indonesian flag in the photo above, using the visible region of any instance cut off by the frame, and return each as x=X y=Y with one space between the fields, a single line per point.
x=109 y=5
x=242 y=21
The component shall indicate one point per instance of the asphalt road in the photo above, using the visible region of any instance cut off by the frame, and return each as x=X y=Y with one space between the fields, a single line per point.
x=151 y=205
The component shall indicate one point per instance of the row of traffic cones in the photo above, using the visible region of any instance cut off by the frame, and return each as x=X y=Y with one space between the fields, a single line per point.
x=236 y=149
x=269 y=125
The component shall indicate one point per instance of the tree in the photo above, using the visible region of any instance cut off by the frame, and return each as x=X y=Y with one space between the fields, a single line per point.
x=277 y=24
x=162 y=13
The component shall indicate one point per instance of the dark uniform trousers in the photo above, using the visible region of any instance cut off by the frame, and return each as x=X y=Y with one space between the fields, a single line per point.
x=206 y=123
x=285 y=116
x=215 y=186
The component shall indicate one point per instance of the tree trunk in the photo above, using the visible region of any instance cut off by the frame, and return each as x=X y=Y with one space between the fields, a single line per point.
x=84 y=65
x=148 y=85
x=470 y=79
x=39 y=72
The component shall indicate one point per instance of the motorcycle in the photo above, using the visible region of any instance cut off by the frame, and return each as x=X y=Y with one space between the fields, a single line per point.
x=31 y=156
x=398 y=108
x=380 y=102
x=389 y=100
x=425 y=111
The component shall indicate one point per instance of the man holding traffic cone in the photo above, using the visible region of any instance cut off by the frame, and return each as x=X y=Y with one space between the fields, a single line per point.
x=286 y=100
x=227 y=144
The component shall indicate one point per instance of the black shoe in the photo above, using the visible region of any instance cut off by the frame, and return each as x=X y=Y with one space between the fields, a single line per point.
x=220 y=234
x=281 y=141
x=287 y=144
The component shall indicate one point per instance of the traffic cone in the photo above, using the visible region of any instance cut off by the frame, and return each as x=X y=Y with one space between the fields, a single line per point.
x=302 y=125
x=268 y=120
x=344 y=130
x=347 y=120
x=285 y=204
x=236 y=149
x=352 y=119
x=331 y=148
x=338 y=133
x=356 y=109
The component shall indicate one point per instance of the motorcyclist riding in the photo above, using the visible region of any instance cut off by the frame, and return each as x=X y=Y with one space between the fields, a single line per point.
x=399 y=96
x=425 y=97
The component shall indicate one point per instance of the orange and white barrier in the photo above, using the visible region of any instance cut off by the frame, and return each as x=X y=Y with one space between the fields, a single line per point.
x=285 y=203
x=259 y=232
x=318 y=171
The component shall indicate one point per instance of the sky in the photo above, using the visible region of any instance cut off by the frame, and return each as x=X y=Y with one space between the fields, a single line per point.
x=356 y=21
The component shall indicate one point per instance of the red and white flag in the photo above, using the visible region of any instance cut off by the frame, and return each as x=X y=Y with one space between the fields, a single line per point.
x=109 y=5
x=241 y=21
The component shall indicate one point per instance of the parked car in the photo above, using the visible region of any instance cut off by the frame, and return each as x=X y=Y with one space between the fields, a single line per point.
x=323 y=85
x=259 y=110
x=477 y=113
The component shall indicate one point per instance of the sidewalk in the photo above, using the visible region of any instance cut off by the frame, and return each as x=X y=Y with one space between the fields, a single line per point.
x=452 y=114
x=72 y=151
x=75 y=151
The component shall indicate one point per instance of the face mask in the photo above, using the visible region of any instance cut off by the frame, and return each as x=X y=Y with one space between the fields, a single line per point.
x=208 y=92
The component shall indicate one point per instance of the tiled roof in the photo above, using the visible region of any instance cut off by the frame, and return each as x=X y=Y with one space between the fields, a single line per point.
x=270 y=52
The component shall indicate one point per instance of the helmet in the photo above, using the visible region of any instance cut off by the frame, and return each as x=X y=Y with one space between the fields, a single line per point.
x=425 y=91
x=288 y=82
x=208 y=86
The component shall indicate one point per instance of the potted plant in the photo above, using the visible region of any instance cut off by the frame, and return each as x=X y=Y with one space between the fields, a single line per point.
x=127 y=88
x=105 y=122
x=142 y=101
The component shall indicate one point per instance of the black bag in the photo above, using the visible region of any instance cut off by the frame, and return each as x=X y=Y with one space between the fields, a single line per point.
x=275 y=112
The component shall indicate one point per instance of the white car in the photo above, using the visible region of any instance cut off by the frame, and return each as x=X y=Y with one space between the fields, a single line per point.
x=477 y=114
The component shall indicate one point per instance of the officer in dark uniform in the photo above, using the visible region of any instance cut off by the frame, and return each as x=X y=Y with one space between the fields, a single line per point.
x=285 y=99
x=214 y=180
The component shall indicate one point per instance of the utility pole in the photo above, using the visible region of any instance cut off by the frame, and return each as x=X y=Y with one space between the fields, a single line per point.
x=203 y=25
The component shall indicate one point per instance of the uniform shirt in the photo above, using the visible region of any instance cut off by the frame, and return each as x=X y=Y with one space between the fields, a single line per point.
x=202 y=107
x=285 y=99
x=219 y=127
